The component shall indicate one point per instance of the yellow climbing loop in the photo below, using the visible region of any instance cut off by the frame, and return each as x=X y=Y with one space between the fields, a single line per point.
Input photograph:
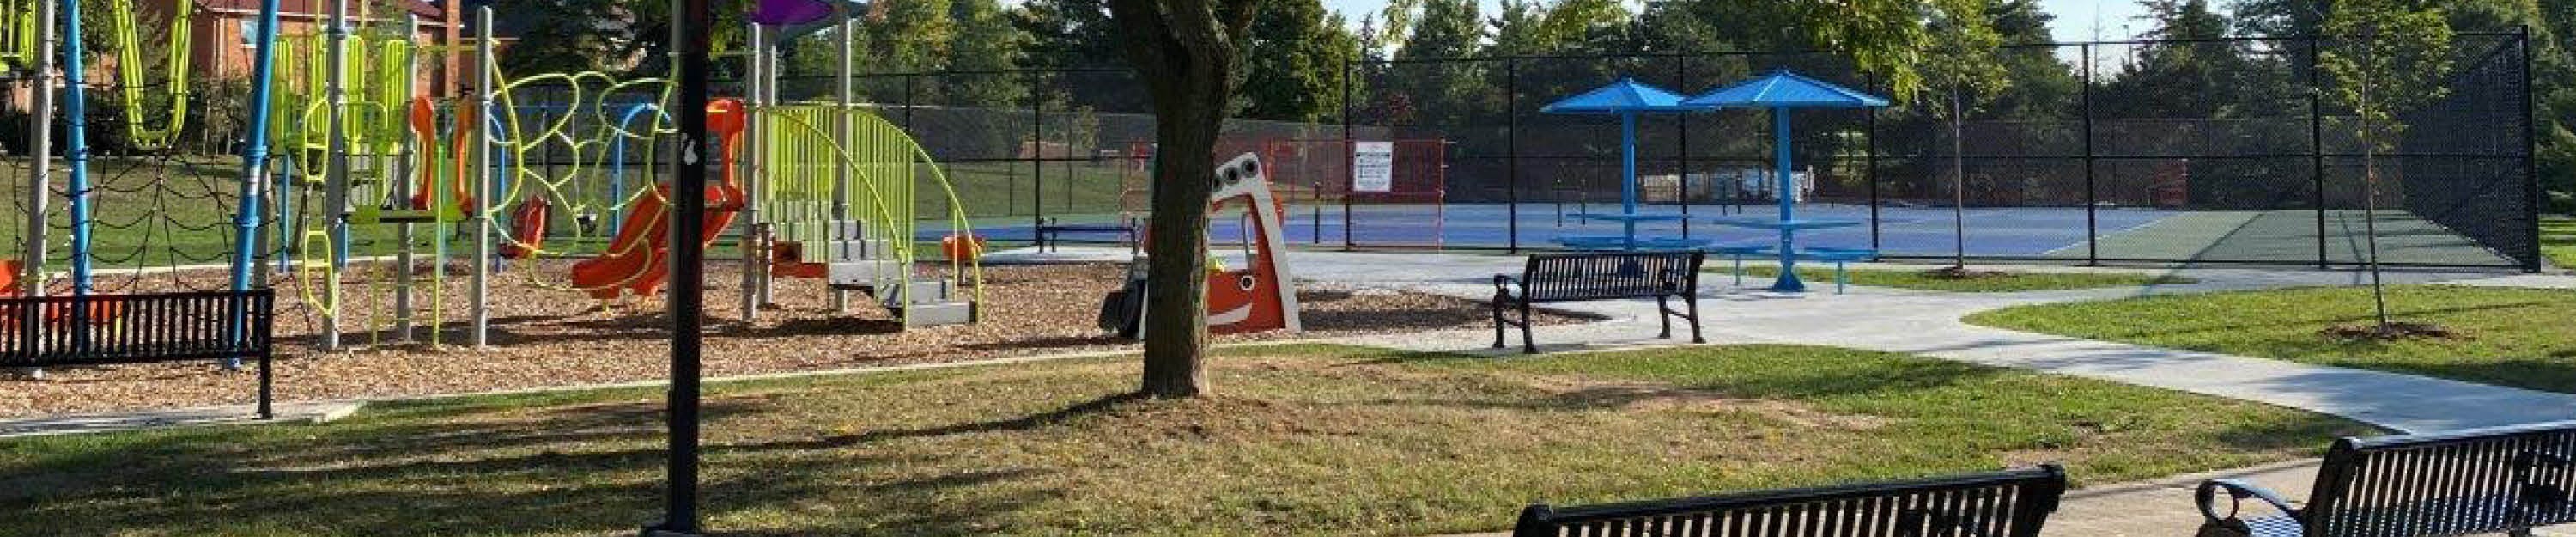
x=18 y=34
x=130 y=75
x=586 y=129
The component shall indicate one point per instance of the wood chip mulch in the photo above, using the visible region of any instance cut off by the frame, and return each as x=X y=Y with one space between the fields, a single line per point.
x=545 y=335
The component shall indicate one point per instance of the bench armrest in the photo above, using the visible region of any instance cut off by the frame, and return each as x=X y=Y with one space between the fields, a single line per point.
x=2237 y=492
x=1503 y=285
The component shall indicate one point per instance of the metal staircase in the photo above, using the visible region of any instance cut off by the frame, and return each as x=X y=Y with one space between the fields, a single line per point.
x=855 y=261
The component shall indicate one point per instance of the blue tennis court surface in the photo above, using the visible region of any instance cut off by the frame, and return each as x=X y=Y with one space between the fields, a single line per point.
x=1997 y=232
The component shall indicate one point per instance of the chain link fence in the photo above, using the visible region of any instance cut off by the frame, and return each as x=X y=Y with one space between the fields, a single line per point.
x=2155 y=151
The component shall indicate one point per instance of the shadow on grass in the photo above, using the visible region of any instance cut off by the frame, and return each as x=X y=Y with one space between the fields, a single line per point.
x=582 y=469
x=1023 y=423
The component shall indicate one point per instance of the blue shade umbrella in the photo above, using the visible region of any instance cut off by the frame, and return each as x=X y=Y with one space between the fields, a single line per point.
x=1780 y=91
x=1625 y=98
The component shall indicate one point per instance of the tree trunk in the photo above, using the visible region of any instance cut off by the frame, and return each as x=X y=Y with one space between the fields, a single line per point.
x=1958 y=183
x=1186 y=59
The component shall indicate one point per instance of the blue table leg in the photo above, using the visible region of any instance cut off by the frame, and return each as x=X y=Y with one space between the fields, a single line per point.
x=1787 y=193
x=1842 y=277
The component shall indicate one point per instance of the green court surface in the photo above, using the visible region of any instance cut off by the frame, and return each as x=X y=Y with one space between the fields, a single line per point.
x=2292 y=235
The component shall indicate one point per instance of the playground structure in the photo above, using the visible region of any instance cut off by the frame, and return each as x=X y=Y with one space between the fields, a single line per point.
x=1259 y=297
x=359 y=195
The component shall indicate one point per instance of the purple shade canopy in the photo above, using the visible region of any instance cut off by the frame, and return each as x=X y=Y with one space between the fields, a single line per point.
x=792 y=19
x=787 y=12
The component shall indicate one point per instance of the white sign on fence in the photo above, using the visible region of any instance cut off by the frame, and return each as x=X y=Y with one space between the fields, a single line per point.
x=1373 y=167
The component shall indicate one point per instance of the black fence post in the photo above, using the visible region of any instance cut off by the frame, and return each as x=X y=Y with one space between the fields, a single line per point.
x=1037 y=167
x=2092 y=193
x=1681 y=135
x=264 y=302
x=908 y=98
x=2317 y=147
x=1512 y=155
x=2531 y=193
x=1869 y=167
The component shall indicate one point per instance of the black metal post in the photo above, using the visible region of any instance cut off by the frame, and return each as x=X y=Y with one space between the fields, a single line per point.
x=1037 y=165
x=2317 y=148
x=2531 y=193
x=908 y=98
x=1681 y=136
x=2092 y=192
x=692 y=23
x=1869 y=172
x=1512 y=155
x=1350 y=155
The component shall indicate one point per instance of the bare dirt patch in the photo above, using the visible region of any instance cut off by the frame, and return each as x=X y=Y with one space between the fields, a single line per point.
x=546 y=335
x=1963 y=273
x=2392 y=332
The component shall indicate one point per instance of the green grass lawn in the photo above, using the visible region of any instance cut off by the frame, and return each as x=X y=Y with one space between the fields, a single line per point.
x=1299 y=441
x=2558 y=241
x=2511 y=337
x=2010 y=281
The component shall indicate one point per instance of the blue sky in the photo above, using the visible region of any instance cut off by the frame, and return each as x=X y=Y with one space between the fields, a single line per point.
x=2075 y=18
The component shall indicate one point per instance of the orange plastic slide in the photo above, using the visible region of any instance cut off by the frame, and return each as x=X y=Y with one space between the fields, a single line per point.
x=9 y=270
x=635 y=260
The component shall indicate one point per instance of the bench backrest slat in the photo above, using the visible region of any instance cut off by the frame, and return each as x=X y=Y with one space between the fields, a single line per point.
x=2463 y=483
x=2013 y=503
x=1597 y=276
x=125 y=328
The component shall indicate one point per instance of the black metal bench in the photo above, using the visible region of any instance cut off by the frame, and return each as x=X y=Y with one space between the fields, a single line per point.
x=2505 y=480
x=141 y=328
x=1050 y=232
x=1662 y=276
x=2010 y=503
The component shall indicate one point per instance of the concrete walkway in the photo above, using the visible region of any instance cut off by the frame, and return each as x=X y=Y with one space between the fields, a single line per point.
x=2528 y=281
x=1928 y=323
x=309 y=412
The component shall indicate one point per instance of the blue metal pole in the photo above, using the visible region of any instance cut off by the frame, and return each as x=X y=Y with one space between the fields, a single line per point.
x=254 y=167
x=76 y=148
x=617 y=169
x=1628 y=174
x=1787 y=192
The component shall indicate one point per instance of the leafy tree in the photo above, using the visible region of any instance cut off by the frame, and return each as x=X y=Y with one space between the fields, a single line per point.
x=1440 y=92
x=984 y=40
x=1075 y=33
x=1293 y=62
x=1519 y=29
x=2396 y=62
x=1185 y=52
x=1066 y=33
x=910 y=36
x=1395 y=23
x=1965 y=67
x=2191 y=75
x=562 y=35
x=1575 y=21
